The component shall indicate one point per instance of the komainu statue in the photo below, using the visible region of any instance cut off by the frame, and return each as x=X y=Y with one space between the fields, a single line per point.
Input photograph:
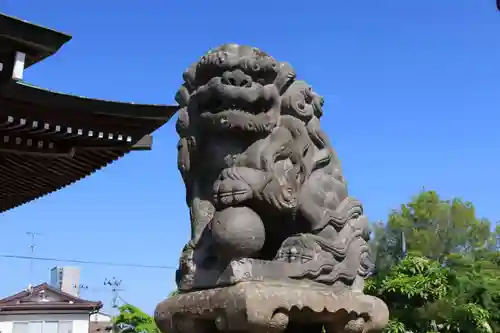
x=276 y=242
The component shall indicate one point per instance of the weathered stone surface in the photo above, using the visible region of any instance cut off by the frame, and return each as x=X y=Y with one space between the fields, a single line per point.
x=270 y=307
x=275 y=239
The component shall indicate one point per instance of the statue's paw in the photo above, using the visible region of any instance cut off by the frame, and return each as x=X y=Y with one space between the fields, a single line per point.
x=281 y=196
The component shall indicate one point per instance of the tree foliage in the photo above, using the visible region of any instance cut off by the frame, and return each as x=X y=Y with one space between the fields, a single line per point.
x=131 y=319
x=447 y=280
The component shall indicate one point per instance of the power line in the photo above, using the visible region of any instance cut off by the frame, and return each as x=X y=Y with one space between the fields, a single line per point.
x=88 y=262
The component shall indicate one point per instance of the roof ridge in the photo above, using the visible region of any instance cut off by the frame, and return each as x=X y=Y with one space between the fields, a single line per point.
x=45 y=286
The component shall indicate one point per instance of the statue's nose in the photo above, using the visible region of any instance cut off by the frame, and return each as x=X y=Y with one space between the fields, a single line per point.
x=236 y=78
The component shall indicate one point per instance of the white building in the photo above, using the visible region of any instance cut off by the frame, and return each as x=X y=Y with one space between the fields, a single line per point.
x=100 y=317
x=100 y=322
x=66 y=279
x=45 y=309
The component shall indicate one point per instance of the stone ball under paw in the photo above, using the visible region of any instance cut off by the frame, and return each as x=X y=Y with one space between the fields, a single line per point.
x=238 y=232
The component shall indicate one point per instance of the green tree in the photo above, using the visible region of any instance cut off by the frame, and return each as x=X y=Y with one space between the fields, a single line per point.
x=435 y=228
x=423 y=296
x=385 y=246
x=407 y=288
x=131 y=319
x=449 y=280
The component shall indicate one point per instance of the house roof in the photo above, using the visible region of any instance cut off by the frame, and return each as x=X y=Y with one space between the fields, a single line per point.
x=45 y=298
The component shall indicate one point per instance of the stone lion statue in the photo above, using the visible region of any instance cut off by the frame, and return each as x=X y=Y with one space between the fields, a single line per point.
x=264 y=185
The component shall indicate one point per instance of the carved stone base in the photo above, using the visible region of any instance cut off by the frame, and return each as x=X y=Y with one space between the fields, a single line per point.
x=270 y=307
x=248 y=269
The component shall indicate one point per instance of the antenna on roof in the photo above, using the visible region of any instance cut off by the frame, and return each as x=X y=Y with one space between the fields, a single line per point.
x=77 y=288
x=32 y=247
x=29 y=289
x=80 y=286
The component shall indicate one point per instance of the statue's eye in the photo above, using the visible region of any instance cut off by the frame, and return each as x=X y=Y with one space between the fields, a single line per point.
x=308 y=99
x=301 y=105
x=306 y=95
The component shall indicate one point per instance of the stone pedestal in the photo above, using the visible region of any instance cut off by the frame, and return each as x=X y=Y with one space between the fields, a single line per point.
x=270 y=307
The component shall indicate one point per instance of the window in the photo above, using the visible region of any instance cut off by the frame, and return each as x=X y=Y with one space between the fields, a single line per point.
x=20 y=327
x=49 y=327
x=35 y=326
x=64 y=326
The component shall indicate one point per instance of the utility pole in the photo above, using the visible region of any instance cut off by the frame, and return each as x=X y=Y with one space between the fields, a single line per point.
x=32 y=247
x=115 y=285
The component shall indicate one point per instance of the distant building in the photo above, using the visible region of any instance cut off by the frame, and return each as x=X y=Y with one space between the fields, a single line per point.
x=101 y=317
x=44 y=309
x=66 y=279
x=100 y=322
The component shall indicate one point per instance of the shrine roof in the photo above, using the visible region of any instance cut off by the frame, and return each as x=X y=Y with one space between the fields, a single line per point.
x=36 y=41
x=50 y=140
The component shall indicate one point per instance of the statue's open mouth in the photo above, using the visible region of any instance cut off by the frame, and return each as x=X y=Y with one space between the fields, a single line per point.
x=252 y=100
x=235 y=110
x=216 y=89
x=249 y=108
x=240 y=120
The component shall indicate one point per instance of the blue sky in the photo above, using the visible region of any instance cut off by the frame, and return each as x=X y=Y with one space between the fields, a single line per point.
x=412 y=100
